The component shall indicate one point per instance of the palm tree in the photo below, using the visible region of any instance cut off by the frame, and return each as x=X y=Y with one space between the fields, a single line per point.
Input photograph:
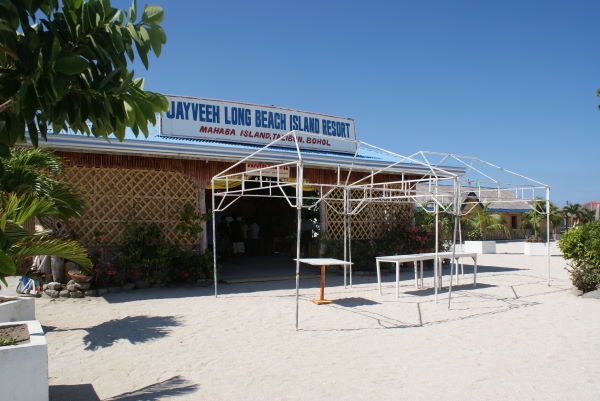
x=36 y=173
x=534 y=219
x=587 y=215
x=18 y=243
x=556 y=218
x=572 y=212
x=483 y=221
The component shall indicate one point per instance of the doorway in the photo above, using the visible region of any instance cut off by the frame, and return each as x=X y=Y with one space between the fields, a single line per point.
x=256 y=240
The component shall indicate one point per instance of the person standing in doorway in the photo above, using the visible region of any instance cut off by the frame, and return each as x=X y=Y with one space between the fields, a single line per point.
x=306 y=228
x=253 y=236
x=237 y=237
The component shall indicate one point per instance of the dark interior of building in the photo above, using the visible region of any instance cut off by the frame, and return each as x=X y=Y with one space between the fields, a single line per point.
x=256 y=239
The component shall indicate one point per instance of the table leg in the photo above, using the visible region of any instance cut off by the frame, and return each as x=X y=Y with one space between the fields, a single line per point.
x=322 y=299
x=422 y=283
x=456 y=267
x=350 y=268
x=378 y=276
x=397 y=279
x=475 y=271
x=416 y=275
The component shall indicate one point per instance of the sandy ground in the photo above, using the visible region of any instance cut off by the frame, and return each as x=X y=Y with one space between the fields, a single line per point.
x=512 y=338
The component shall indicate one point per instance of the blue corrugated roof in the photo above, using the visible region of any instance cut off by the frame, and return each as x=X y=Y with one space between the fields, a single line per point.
x=157 y=145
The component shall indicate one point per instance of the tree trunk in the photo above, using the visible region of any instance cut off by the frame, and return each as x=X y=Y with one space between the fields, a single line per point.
x=45 y=265
x=58 y=269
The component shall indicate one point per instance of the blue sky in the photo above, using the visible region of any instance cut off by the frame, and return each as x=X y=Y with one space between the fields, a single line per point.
x=512 y=82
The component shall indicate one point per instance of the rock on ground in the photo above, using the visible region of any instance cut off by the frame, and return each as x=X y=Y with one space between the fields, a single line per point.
x=83 y=286
x=592 y=294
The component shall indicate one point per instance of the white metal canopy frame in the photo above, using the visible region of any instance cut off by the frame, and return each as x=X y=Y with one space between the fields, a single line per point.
x=485 y=182
x=421 y=182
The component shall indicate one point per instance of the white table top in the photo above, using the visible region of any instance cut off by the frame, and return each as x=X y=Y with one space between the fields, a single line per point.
x=425 y=256
x=323 y=261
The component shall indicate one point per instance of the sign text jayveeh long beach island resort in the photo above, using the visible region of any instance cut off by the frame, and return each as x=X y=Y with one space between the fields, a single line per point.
x=219 y=120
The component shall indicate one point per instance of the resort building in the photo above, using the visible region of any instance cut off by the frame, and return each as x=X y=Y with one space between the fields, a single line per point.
x=592 y=205
x=505 y=202
x=152 y=179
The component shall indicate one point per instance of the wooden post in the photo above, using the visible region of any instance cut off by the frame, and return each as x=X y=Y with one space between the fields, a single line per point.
x=321 y=300
x=322 y=297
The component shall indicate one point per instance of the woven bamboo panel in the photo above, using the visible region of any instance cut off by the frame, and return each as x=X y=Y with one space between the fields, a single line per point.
x=115 y=196
x=370 y=222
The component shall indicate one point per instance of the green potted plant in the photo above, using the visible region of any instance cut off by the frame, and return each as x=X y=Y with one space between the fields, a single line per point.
x=482 y=221
x=82 y=275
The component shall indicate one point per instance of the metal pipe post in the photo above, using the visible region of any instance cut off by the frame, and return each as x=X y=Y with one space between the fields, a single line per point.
x=436 y=266
x=548 y=231
x=214 y=224
x=350 y=247
x=453 y=261
x=345 y=234
x=299 y=182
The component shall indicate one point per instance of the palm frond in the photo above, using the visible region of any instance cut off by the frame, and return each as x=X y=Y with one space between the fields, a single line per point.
x=68 y=201
x=47 y=245
x=38 y=158
x=14 y=232
x=20 y=209
x=7 y=266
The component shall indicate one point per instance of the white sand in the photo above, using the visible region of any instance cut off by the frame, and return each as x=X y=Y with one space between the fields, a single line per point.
x=513 y=338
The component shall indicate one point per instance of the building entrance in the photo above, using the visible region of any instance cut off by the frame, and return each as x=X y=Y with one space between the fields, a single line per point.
x=256 y=240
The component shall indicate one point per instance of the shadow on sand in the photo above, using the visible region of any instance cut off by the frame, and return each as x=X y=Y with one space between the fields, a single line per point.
x=307 y=280
x=73 y=392
x=174 y=387
x=135 y=329
x=461 y=287
x=354 y=302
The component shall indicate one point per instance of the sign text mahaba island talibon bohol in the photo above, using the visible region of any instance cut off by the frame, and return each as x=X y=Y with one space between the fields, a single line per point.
x=219 y=120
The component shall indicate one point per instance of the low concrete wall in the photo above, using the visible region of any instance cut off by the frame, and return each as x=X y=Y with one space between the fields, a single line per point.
x=24 y=367
x=21 y=308
x=540 y=249
x=480 y=246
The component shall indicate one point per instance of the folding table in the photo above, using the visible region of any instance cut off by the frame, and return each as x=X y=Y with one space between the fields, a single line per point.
x=420 y=257
x=323 y=262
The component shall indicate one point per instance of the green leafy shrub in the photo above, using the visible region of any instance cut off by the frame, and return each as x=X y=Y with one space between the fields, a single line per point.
x=7 y=341
x=144 y=253
x=474 y=235
x=581 y=246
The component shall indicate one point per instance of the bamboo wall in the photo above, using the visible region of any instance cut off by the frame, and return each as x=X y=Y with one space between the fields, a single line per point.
x=115 y=196
x=371 y=222
x=154 y=190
